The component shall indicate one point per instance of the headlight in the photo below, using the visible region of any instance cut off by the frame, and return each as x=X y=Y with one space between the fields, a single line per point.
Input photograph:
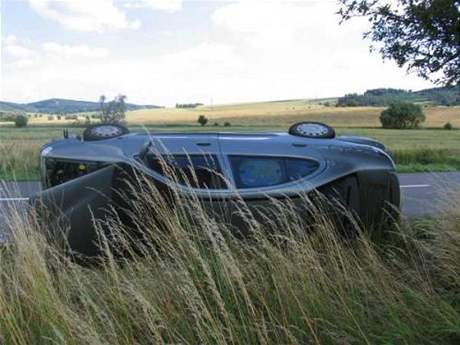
x=43 y=169
x=46 y=151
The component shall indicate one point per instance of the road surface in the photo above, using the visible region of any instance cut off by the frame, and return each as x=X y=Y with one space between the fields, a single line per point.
x=429 y=194
x=423 y=194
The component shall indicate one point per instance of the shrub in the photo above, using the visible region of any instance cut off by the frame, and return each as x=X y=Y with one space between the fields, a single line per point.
x=59 y=117
x=216 y=124
x=50 y=117
x=21 y=121
x=202 y=120
x=7 y=117
x=448 y=126
x=114 y=111
x=227 y=124
x=402 y=115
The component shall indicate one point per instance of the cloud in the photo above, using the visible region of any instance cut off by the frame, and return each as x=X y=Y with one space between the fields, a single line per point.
x=68 y=51
x=248 y=51
x=298 y=49
x=23 y=55
x=162 y=5
x=16 y=54
x=10 y=39
x=84 y=15
x=18 y=51
x=283 y=22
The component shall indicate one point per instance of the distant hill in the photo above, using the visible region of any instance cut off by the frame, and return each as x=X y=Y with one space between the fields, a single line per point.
x=12 y=107
x=442 y=95
x=62 y=106
x=447 y=96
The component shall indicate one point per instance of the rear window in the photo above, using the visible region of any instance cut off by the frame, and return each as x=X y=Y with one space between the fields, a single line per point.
x=196 y=171
x=256 y=171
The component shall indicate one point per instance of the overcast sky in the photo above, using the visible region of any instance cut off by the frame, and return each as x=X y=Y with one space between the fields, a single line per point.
x=168 y=51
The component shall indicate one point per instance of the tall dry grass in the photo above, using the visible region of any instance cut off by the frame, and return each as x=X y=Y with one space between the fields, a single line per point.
x=19 y=159
x=189 y=280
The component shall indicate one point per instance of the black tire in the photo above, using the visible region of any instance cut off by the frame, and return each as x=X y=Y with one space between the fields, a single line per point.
x=104 y=131
x=327 y=133
x=343 y=204
x=372 y=198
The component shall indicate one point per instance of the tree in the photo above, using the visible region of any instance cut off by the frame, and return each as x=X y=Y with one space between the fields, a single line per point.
x=423 y=35
x=402 y=116
x=114 y=111
x=448 y=126
x=21 y=121
x=202 y=120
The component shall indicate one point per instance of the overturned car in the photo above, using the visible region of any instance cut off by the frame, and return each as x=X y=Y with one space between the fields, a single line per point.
x=82 y=176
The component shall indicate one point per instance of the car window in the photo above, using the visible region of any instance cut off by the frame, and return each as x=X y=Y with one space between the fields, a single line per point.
x=256 y=171
x=197 y=171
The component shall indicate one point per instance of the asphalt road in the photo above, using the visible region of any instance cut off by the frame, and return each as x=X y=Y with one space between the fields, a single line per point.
x=423 y=194
x=429 y=194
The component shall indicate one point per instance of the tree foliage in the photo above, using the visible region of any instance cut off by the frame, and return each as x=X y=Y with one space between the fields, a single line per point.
x=7 y=116
x=447 y=96
x=376 y=98
x=402 y=116
x=188 y=105
x=113 y=111
x=202 y=120
x=423 y=35
x=21 y=121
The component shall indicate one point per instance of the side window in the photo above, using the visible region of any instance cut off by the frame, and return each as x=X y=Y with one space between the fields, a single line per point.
x=197 y=171
x=256 y=171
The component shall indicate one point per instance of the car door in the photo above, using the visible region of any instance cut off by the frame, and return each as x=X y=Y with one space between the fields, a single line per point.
x=269 y=173
x=201 y=153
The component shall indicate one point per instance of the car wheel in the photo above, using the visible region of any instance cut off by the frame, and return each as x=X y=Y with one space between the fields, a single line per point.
x=312 y=130
x=104 y=131
x=343 y=202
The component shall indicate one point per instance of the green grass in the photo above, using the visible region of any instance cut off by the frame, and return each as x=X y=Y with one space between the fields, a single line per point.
x=427 y=159
x=414 y=150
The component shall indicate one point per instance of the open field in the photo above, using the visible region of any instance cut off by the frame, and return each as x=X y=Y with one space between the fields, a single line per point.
x=279 y=114
x=272 y=114
x=414 y=150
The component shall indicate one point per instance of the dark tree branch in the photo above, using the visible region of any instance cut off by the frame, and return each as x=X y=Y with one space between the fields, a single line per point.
x=423 y=35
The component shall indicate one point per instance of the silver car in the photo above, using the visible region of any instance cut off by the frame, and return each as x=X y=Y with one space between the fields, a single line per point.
x=82 y=176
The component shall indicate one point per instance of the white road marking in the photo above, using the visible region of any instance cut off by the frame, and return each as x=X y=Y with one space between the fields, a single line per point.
x=14 y=199
x=416 y=186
